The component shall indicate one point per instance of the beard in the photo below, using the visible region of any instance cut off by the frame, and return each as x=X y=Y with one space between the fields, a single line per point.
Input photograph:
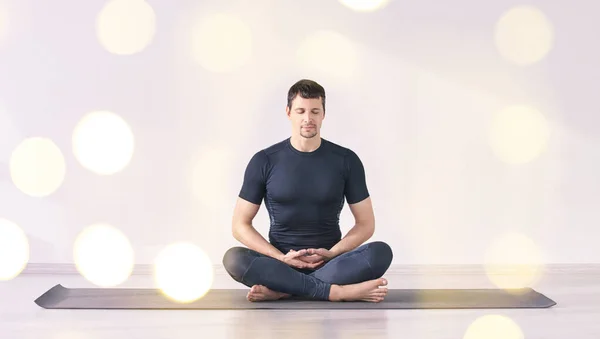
x=308 y=133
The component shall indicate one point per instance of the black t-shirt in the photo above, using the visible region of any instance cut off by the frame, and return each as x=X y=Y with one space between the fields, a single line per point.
x=304 y=192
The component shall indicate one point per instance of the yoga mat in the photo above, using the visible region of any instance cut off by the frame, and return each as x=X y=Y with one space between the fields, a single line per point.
x=59 y=297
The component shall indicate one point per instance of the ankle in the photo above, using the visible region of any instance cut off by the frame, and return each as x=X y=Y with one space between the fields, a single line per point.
x=335 y=293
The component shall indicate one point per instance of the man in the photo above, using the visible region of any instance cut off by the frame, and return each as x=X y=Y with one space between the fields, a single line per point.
x=304 y=180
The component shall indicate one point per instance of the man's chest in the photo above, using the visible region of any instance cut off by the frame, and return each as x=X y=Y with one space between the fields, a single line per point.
x=312 y=183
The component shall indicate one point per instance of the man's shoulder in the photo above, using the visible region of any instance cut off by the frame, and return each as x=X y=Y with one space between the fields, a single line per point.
x=263 y=154
x=274 y=148
x=337 y=148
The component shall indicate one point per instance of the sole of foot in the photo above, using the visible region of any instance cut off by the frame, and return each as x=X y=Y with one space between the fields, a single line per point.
x=263 y=293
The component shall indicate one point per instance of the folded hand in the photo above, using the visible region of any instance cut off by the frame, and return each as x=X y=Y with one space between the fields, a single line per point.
x=316 y=255
x=296 y=259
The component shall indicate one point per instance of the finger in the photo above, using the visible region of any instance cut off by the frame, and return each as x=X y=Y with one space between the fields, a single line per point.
x=296 y=254
x=312 y=258
x=317 y=251
x=299 y=264
x=313 y=265
x=315 y=261
x=305 y=262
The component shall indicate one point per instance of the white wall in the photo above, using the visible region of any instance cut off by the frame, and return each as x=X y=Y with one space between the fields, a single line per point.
x=415 y=102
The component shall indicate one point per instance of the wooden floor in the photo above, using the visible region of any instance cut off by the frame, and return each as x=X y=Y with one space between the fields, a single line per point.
x=577 y=315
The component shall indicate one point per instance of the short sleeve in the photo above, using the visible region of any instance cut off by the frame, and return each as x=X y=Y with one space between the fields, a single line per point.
x=254 y=184
x=355 y=188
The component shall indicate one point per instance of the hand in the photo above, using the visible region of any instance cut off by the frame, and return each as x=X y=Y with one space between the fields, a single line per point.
x=319 y=254
x=310 y=258
x=292 y=258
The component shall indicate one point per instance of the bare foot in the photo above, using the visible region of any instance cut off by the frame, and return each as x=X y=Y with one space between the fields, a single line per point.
x=263 y=293
x=365 y=291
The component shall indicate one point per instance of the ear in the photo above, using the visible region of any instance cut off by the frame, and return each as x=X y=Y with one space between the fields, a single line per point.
x=287 y=111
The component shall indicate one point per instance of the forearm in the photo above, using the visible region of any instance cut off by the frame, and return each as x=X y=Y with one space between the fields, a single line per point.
x=354 y=238
x=249 y=236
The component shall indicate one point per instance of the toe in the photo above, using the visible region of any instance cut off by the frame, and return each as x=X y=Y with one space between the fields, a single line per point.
x=376 y=299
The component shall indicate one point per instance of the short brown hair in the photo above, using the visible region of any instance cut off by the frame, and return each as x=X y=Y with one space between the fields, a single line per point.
x=307 y=89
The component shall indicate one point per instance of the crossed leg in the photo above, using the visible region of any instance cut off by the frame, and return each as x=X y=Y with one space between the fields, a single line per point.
x=366 y=262
x=351 y=275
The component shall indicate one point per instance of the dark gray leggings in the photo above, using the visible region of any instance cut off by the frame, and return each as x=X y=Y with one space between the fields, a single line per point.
x=366 y=262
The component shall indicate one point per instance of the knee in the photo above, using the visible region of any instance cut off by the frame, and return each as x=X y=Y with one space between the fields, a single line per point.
x=234 y=262
x=380 y=257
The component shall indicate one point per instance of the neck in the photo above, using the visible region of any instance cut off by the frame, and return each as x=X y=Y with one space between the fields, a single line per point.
x=305 y=144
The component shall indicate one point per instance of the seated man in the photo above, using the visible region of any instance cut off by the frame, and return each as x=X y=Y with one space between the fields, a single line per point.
x=304 y=180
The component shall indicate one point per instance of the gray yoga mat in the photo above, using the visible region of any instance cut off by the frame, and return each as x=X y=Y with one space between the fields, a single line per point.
x=59 y=297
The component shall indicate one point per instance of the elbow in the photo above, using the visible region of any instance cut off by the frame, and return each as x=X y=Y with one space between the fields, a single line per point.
x=371 y=232
x=368 y=229
x=371 y=228
x=235 y=231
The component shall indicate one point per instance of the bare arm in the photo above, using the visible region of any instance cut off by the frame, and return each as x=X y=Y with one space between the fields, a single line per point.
x=363 y=229
x=244 y=232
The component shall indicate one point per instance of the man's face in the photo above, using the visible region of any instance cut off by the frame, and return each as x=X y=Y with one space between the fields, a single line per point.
x=306 y=116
